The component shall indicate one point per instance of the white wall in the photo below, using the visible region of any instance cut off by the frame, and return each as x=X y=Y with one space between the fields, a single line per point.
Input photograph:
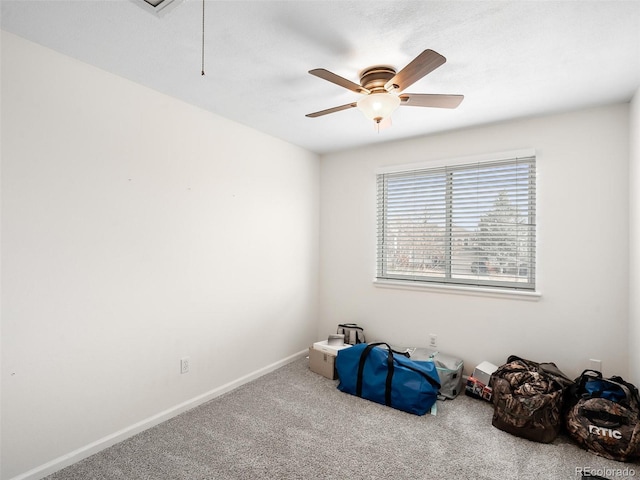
x=634 y=241
x=137 y=230
x=583 y=212
x=129 y=222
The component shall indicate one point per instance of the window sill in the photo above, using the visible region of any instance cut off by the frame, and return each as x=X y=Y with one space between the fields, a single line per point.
x=532 y=296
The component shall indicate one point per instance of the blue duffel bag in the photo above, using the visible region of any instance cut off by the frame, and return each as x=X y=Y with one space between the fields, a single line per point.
x=387 y=377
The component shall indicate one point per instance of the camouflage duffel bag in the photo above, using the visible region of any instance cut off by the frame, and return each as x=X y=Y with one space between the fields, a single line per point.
x=528 y=399
x=603 y=416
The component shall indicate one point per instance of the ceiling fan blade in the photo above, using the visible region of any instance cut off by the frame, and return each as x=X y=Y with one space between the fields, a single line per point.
x=420 y=66
x=338 y=80
x=430 y=100
x=331 y=110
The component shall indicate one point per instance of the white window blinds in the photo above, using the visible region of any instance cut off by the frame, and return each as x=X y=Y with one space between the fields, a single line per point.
x=468 y=224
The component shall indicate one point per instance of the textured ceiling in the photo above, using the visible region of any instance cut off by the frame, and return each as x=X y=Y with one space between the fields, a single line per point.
x=509 y=59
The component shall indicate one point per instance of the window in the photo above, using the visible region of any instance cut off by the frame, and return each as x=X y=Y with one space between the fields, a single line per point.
x=467 y=224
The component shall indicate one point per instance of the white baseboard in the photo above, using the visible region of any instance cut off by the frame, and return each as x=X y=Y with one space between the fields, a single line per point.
x=116 y=437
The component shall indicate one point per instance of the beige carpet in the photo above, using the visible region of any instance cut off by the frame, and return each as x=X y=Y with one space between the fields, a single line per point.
x=295 y=424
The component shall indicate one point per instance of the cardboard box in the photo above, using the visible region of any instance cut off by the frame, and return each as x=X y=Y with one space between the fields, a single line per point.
x=322 y=363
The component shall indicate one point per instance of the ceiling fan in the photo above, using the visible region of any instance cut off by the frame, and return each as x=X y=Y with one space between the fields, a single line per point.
x=381 y=86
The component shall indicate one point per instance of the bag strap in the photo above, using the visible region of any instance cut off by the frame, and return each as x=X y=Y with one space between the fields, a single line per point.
x=433 y=382
x=631 y=399
x=633 y=390
x=530 y=364
x=363 y=359
x=551 y=370
x=600 y=417
x=387 y=386
x=350 y=325
x=353 y=334
x=577 y=389
x=584 y=377
x=628 y=393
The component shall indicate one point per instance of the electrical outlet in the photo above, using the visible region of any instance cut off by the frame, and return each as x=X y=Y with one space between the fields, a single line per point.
x=595 y=364
x=433 y=340
x=184 y=365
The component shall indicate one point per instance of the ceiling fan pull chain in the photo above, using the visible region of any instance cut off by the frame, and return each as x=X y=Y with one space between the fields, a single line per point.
x=202 y=73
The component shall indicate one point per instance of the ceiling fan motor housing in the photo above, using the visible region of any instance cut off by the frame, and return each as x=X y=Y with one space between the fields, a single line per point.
x=375 y=78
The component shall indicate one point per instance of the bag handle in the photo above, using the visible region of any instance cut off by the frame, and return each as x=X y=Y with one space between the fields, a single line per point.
x=363 y=359
x=585 y=376
x=633 y=390
x=352 y=333
x=552 y=371
x=350 y=325
x=629 y=392
x=604 y=419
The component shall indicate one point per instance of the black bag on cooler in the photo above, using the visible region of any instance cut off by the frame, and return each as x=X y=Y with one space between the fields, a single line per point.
x=353 y=334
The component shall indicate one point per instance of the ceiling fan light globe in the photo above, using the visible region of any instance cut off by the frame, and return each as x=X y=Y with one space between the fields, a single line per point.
x=378 y=106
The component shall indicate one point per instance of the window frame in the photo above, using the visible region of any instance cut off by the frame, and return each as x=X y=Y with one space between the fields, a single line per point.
x=525 y=289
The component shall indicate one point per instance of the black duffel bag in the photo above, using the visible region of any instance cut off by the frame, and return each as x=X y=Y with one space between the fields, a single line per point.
x=603 y=416
x=528 y=398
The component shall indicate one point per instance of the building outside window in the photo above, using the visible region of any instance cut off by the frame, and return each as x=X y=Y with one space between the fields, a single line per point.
x=469 y=224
